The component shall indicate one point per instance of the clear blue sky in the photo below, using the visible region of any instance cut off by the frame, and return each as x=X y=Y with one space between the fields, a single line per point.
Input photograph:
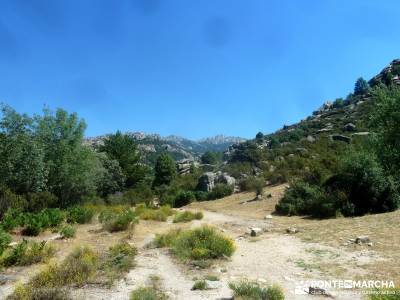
x=191 y=68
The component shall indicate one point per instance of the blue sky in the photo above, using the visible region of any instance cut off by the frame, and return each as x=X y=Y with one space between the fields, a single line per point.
x=191 y=68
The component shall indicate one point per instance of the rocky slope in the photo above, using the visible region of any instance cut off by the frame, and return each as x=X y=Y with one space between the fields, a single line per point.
x=180 y=148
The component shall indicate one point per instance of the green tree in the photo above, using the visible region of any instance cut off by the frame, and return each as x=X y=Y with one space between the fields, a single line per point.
x=22 y=164
x=361 y=86
x=113 y=178
x=123 y=148
x=385 y=120
x=165 y=170
x=74 y=170
x=210 y=157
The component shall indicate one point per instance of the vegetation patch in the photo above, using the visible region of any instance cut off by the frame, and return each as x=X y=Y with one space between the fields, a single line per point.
x=147 y=293
x=250 y=290
x=118 y=260
x=67 y=231
x=187 y=216
x=5 y=239
x=113 y=222
x=27 y=253
x=156 y=214
x=197 y=244
x=80 y=214
x=200 y=285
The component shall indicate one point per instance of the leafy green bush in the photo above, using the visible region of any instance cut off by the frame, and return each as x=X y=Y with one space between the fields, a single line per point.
x=202 y=243
x=39 y=201
x=52 y=217
x=302 y=198
x=220 y=191
x=187 y=216
x=5 y=239
x=33 y=224
x=27 y=253
x=250 y=290
x=67 y=231
x=118 y=221
x=184 y=198
x=79 y=214
x=11 y=219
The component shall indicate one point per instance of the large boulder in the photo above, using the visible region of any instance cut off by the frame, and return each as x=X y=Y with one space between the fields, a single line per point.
x=206 y=182
x=339 y=137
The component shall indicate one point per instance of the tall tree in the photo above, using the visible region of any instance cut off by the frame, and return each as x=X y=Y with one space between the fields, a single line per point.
x=165 y=170
x=123 y=148
x=361 y=86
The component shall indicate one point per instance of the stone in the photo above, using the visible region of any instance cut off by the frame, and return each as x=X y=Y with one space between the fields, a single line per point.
x=349 y=127
x=292 y=230
x=259 y=197
x=268 y=217
x=362 y=239
x=213 y=285
x=310 y=139
x=339 y=137
x=206 y=181
x=255 y=231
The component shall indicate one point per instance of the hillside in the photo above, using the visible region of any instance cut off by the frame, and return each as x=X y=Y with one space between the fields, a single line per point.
x=151 y=145
x=326 y=132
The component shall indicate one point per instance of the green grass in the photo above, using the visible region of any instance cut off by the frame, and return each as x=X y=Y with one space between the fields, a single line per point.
x=67 y=231
x=113 y=222
x=166 y=239
x=22 y=293
x=249 y=290
x=27 y=253
x=80 y=214
x=5 y=239
x=161 y=214
x=200 y=285
x=197 y=244
x=147 y=293
x=187 y=216
x=385 y=294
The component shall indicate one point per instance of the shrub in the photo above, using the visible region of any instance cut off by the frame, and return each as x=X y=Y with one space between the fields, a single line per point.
x=366 y=187
x=5 y=239
x=187 y=216
x=184 y=198
x=119 y=260
x=302 y=198
x=79 y=214
x=28 y=293
x=27 y=253
x=166 y=239
x=67 y=232
x=252 y=184
x=78 y=267
x=39 y=201
x=11 y=219
x=118 y=222
x=200 y=285
x=220 y=191
x=147 y=293
x=52 y=217
x=160 y=214
x=253 y=291
x=33 y=224
x=202 y=243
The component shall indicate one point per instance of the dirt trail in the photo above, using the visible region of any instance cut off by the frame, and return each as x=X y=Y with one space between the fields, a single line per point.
x=272 y=257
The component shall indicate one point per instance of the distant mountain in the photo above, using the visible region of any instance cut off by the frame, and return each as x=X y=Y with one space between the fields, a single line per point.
x=179 y=147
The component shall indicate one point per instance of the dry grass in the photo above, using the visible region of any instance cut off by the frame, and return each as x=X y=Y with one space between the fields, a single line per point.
x=383 y=230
